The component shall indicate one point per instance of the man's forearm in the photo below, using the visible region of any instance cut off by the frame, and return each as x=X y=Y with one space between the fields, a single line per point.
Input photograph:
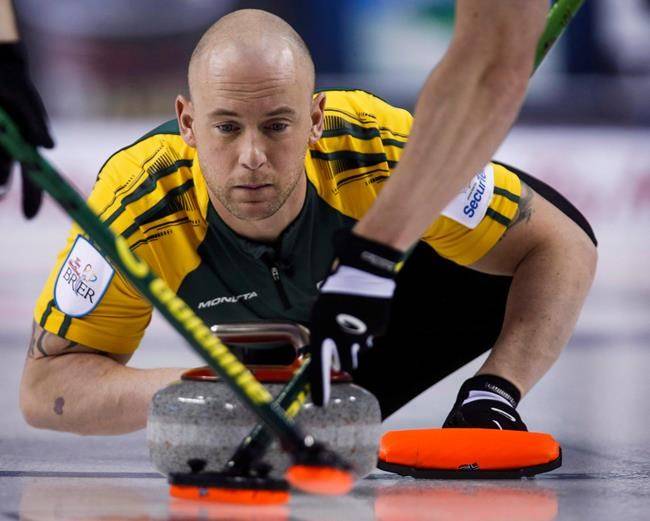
x=90 y=394
x=464 y=111
x=547 y=292
x=455 y=132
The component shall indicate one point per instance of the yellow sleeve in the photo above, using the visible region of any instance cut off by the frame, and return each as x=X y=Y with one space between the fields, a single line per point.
x=362 y=142
x=84 y=299
x=465 y=245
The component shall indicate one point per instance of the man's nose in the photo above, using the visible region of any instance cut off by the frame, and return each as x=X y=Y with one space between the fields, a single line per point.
x=251 y=155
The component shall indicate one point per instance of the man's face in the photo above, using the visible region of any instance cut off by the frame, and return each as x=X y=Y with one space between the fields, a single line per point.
x=251 y=128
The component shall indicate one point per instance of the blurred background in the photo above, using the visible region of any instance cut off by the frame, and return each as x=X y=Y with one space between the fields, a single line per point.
x=127 y=58
x=108 y=72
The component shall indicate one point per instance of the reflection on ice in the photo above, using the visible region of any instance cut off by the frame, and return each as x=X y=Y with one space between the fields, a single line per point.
x=392 y=499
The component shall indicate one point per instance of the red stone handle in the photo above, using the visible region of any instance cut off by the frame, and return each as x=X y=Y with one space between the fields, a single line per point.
x=260 y=332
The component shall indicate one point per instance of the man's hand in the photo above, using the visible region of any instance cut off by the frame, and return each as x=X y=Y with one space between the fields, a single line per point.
x=21 y=101
x=488 y=402
x=352 y=307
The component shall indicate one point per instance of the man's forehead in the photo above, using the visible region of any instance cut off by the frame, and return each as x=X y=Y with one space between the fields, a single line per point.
x=277 y=54
x=249 y=63
x=259 y=84
x=280 y=110
x=260 y=93
x=249 y=71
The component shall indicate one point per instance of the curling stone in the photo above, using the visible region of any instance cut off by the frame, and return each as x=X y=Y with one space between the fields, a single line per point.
x=200 y=421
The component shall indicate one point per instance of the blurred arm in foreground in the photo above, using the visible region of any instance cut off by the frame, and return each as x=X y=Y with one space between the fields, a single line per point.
x=463 y=113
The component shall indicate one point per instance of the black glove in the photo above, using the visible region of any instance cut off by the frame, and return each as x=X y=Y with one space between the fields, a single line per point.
x=19 y=99
x=486 y=401
x=353 y=306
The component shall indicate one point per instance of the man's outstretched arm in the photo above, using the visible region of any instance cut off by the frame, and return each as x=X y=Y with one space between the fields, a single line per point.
x=74 y=388
x=463 y=113
x=552 y=262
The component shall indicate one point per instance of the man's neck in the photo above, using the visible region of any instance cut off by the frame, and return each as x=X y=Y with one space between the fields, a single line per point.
x=266 y=230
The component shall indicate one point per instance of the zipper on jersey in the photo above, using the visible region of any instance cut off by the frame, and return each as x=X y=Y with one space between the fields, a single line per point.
x=275 y=274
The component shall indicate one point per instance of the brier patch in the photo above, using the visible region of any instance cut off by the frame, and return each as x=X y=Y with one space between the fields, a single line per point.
x=82 y=280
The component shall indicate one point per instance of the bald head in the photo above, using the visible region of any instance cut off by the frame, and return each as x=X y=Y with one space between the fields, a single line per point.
x=251 y=117
x=247 y=44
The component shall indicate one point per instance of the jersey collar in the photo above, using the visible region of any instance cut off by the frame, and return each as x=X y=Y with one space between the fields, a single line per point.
x=284 y=245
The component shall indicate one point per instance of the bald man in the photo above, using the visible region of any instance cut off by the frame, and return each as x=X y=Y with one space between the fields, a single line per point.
x=242 y=203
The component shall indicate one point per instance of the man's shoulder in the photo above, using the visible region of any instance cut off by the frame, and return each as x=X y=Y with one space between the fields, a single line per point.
x=360 y=130
x=363 y=108
x=362 y=141
x=160 y=146
x=351 y=95
x=147 y=178
x=167 y=128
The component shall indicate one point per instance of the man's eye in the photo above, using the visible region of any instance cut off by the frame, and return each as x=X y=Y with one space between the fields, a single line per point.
x=278 y=126
x=226 y=128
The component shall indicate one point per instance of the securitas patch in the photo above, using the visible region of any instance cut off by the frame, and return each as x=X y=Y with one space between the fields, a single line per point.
x=468 y=208
x=83 y=279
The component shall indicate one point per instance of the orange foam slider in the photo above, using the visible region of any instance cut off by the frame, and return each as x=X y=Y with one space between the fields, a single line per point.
x=468 y=453
x=324 y=480
x=225 y=495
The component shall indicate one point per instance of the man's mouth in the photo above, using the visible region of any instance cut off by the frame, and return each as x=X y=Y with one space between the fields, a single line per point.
x=252 y=187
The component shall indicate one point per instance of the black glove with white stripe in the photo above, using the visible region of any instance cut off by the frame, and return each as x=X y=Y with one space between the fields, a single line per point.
x=19 y=98
x=487 y=401
x=353 y=306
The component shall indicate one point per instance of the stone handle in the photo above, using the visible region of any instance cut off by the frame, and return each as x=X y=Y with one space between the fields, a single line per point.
x=260 y=332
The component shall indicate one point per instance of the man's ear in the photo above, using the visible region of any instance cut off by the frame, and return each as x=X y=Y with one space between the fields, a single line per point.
x=317 y=117
x=185 y=117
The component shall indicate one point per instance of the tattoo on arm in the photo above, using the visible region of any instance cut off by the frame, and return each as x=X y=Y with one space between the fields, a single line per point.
x=32 y=342
x=58 y=405
x=524 y=210
x=39 y=343
x=45 y=344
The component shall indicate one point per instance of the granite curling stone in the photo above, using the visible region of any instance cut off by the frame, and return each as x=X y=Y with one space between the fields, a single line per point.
x=199 y=419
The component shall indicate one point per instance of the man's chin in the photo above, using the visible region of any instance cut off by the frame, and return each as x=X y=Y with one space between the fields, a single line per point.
x=253 y=211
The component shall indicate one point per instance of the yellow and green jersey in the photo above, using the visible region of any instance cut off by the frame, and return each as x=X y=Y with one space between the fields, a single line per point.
x=153 y=193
